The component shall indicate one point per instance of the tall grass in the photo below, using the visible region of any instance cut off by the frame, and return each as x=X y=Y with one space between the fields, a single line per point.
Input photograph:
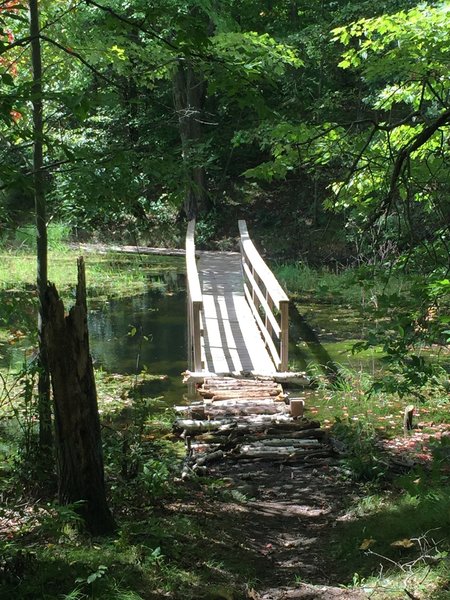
x=58 y=234
x=356 y=286
x=107 y=274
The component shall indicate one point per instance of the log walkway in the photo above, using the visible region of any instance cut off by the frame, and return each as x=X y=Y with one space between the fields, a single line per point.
x=247 y=420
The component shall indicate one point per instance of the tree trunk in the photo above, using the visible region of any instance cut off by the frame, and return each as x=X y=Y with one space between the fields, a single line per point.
x=45 y=424
x=189 y=96
x=77 y=423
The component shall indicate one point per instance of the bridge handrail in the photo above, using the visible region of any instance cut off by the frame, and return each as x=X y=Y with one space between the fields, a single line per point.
x=194 y=300
x=264 y=294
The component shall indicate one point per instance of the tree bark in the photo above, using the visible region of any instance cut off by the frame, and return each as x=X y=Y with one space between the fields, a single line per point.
x=77 y=423
x=189 y=96
x=44 y=406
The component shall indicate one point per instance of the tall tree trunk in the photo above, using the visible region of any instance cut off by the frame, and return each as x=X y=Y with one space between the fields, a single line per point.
x=189 y=96
x=45 y=425
x=77 y=423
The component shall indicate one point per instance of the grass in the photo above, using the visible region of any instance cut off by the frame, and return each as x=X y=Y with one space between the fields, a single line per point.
x=399 y=539
x=355 y=286
x=109 y=275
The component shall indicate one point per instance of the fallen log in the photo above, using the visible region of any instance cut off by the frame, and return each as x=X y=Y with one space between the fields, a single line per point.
x=279 y=442
x=244 y=394
x=239 y=384
x=280 y=421
x=297 y=378
x=209 y=458
x=196 y=425
x=243 y=402
x=242 y=409
x=244 y=380
x=288 y=453
x=240 y=434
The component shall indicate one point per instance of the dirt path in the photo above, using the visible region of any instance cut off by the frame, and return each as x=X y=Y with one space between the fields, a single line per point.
x=279 y=528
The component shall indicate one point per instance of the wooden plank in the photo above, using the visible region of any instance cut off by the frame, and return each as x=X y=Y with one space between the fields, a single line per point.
x=231 y=340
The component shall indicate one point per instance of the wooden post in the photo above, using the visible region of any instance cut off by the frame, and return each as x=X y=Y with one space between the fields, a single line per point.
x=297 y=406
x=408 y=419
x=284 y=341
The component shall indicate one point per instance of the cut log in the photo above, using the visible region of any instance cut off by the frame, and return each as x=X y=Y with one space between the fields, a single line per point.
x=288 y=453
x=297 y=407
x=255 y=403
x=241 y=435
x=192 y=426
x=229 y=395
x=209 y=458
x=239 y=384
x=278 y=422
x=297 y=378
x=278 y=442
x=245 y=409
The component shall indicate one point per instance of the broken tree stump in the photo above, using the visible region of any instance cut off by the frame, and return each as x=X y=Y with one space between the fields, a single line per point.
x=78 y=439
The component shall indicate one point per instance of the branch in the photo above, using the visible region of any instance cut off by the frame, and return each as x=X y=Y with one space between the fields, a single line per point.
x=22 y=42
x=419 y=140
x=80 y=58
x=403 y=156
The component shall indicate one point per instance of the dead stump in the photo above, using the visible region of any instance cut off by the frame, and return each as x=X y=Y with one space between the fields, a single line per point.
x=77 y=424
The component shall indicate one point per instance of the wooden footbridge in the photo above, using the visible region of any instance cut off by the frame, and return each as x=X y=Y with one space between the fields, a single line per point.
x=238 y=321
x=237 y=311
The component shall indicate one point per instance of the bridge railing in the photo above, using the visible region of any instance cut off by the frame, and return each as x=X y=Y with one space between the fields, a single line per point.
x=194 y=301
x=267 y=299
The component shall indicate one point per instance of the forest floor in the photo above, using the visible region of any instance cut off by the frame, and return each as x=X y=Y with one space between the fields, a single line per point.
x=280 y=527
x=293 y=531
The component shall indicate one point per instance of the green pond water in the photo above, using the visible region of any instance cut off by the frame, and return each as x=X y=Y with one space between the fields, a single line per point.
x=338 y=327
x=148 y=332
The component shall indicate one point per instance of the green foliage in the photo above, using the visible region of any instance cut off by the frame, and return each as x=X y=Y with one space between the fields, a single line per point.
x=364 y=461
x=402 y=57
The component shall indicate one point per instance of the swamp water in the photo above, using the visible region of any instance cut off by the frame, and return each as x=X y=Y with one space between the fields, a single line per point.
x=148 y=332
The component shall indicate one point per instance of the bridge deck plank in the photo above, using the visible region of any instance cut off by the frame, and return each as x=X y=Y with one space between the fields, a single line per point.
x=231 y=340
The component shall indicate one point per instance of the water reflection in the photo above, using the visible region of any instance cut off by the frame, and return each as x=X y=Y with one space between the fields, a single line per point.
x=128 y=334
